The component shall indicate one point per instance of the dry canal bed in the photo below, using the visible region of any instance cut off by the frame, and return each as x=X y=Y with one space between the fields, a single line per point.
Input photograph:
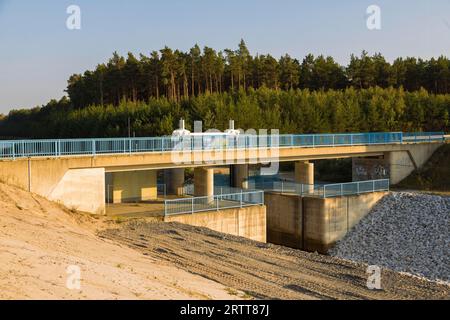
x=265 y=271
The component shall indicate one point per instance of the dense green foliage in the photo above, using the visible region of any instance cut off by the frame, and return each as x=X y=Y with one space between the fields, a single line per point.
x=177 y=75
x=312 y=96
x=292 y=111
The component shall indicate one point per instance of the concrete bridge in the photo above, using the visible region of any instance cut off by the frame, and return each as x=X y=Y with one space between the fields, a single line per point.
x=76 y=172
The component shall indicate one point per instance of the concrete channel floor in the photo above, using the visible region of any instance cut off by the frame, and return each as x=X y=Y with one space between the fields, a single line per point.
x=136 y=210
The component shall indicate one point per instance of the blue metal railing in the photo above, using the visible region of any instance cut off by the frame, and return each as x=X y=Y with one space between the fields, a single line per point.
x=423 y=136
x=213 y=203
x=189 y=189
x=327 y=190
x=12 y=149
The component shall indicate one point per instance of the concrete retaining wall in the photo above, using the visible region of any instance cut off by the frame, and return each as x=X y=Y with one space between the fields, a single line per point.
x=327 y=221
x=248 y=222
x=284 y=220
x=314 y=224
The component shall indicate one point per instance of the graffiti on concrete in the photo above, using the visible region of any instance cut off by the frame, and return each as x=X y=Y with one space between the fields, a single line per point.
x=369 y=169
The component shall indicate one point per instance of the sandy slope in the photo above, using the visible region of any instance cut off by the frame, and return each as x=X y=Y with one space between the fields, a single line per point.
x=267 y=271
x=39 y=240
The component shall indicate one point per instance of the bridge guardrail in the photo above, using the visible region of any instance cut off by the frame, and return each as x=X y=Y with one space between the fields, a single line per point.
x=189 y=189
x=423 y=136
x=327 y=190
x=211 y=203
x=13 y=149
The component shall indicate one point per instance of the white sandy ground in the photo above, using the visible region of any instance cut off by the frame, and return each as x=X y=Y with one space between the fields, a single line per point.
x=40 y=239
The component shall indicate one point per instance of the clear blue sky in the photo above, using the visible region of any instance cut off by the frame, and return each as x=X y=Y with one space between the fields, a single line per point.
x=38 y=53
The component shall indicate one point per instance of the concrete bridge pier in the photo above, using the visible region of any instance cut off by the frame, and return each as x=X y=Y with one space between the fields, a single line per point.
x=204 y=183
x=240 y=176
x=304 y=173
x=174 y=179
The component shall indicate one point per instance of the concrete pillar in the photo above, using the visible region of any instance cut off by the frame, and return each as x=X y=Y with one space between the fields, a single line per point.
x=304 y=172
x=240 y=176
x=108 y=187
x=204 y=182
x=134 y=186
x=174 y=179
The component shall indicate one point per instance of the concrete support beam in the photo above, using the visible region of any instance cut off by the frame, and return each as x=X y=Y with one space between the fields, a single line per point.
x=304 y=172
x=240 y=176
x=204 y=182
x=174 y=179
x=133 y=186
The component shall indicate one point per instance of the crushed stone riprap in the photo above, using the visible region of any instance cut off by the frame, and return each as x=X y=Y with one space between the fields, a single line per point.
x=406 y=232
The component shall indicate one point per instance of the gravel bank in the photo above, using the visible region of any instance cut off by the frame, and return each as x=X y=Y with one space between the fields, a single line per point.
x=406 y=232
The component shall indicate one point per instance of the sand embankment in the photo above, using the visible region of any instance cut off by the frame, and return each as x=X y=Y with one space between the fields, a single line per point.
x=40 y=239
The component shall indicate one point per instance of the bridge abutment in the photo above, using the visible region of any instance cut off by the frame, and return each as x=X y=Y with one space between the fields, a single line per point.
x=402 y=163
x=82 y=190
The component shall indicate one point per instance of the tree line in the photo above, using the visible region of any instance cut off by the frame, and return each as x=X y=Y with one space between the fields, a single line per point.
x=148 y=95
x=292 y=111
x=178 y=75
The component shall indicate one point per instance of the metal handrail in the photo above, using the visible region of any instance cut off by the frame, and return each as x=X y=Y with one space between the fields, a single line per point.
x=12 y=149
x=329 y=190
x=189 y=190
x=213 y=203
